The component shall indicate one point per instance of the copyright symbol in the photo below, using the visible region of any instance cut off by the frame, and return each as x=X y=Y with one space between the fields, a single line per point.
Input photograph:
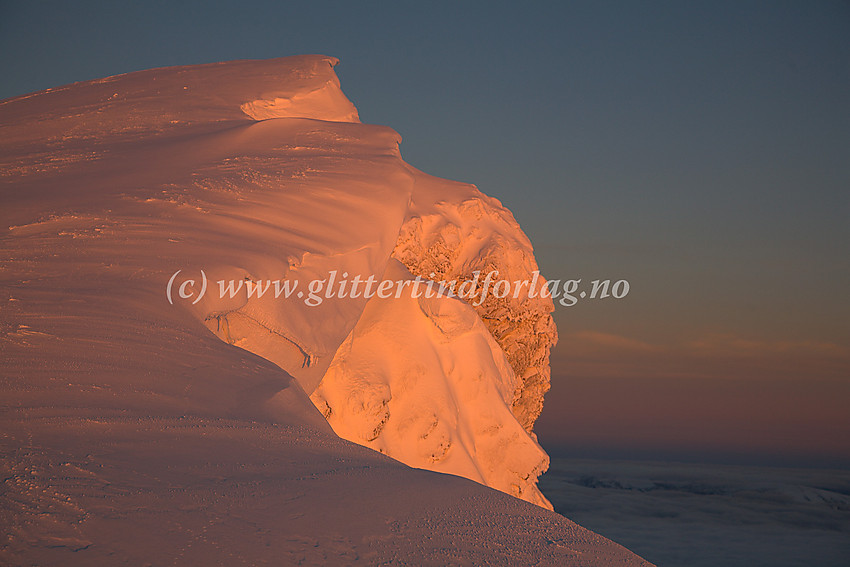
x=186 y=289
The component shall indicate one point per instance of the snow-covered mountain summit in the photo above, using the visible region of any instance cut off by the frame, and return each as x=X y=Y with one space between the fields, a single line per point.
x=151 y=221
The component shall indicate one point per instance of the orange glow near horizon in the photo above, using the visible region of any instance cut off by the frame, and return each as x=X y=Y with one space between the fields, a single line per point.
x=720 y=395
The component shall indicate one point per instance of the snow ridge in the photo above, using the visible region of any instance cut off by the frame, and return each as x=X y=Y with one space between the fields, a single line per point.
x=268 y=162
x=124 y=414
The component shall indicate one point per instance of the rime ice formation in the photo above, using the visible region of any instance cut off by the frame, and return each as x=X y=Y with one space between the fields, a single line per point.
x=459 y=231
x=125 y=414
x=451 y=230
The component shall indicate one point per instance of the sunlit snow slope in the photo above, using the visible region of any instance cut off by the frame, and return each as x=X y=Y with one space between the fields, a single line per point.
x=123 y=413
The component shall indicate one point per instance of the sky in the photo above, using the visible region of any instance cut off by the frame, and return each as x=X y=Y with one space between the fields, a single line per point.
x=700 y=151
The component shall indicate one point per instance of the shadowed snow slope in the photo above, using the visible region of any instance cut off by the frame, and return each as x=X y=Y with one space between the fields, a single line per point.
x=134 y=431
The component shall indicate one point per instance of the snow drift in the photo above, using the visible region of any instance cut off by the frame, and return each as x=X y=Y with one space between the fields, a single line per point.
x=124 y=412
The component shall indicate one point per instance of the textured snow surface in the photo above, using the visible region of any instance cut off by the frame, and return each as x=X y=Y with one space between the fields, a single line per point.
x=422 y=380
x=136 y=431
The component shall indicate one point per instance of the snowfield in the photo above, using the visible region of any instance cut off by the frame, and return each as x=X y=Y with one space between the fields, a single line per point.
x=136 y=431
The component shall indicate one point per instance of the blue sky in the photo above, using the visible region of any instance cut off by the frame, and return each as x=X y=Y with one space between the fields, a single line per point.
x=699 y=150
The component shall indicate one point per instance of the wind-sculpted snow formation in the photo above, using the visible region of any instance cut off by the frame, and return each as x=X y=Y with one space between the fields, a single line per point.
x=126 y=413
x=458 y=233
